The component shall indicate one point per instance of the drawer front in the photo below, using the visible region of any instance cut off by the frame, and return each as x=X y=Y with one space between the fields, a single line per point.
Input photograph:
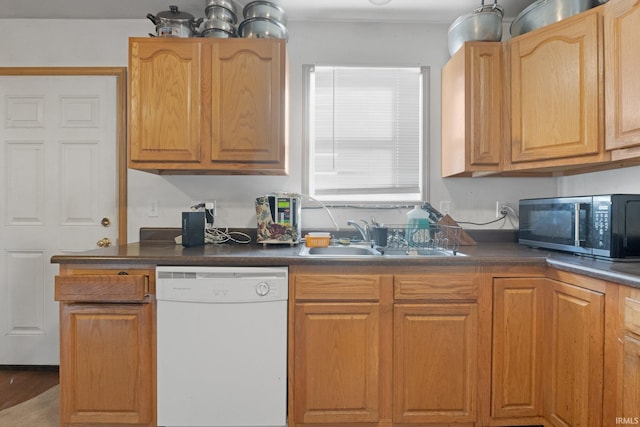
x=436 y=286
x=101 y=288
x=337 y=287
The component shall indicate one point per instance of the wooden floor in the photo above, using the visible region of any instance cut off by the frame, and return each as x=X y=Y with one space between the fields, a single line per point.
x=18 y=384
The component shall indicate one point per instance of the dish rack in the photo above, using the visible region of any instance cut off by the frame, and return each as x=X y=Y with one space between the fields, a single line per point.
x=435 y=237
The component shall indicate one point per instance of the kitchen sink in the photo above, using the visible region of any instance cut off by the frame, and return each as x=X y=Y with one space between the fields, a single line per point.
x=368 y=251
x=340 y=251
x=420 y=252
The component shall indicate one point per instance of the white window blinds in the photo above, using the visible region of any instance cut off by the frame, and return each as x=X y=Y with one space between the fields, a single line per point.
x=365 y=133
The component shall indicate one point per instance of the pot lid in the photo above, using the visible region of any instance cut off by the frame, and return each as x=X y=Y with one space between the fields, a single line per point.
x=175 y=15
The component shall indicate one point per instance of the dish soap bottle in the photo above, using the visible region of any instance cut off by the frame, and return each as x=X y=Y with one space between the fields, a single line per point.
x=417 y=233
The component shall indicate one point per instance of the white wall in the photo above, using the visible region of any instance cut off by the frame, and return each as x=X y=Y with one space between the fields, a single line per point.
x=625 y=180
x=104 y=43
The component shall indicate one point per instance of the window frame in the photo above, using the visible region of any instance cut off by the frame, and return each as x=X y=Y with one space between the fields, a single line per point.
x=425 y=71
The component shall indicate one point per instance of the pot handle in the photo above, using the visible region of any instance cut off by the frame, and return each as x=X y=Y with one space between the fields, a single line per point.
x=152 y=18
x=495 y=7
x=194 y=24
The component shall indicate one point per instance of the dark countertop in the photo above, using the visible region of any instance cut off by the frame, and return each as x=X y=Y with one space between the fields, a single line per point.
x=166 y=252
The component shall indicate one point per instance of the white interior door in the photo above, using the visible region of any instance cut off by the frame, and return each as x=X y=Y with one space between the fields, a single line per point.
x=58 y=182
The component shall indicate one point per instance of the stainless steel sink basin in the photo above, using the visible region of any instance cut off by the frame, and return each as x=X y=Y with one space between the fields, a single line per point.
x=368 y=251
x=340 y=251
x=420 y=252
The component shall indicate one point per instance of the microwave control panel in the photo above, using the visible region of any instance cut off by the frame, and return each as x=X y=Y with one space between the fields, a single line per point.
x=601 y=218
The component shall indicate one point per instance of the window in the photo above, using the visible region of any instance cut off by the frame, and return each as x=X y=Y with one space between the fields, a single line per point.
x=365 y=133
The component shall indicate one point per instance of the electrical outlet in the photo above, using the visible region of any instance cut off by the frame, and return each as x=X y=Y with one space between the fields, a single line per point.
x=501 y=209
x=210 y=211
x=445 y=207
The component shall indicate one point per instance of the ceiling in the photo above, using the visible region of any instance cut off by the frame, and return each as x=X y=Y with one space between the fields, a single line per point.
x=443 y=11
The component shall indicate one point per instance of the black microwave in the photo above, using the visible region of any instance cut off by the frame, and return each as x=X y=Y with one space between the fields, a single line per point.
x=605 y=226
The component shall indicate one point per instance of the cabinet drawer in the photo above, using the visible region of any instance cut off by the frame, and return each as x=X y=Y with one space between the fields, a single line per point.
x=436 y=286
x=337 y=287
x=108 y=287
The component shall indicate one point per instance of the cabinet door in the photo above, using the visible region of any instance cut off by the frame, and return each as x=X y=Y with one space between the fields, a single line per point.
x=518 y=311
x=472 y=101
x=574 y=376
x=627 y=398
x=165 y=101
x=336 y=363
x=249 y=104
x=555 y=92
x=435 y=363
x=622 y=62
x=106 y=364
x=630 y=405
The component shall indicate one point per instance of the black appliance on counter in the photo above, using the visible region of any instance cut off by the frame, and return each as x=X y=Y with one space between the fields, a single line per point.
x=606 y=226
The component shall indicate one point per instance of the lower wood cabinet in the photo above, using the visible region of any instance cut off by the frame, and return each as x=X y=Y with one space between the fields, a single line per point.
x=517 y=348
x=435 y=346
x=336 y=374
x=627 y=393
x=377 y=349
x=107 y=368
x=575 y=355
x=337 y=361
x=630 y=402
x=435 y=363
x=372 y=346
x=547 y=352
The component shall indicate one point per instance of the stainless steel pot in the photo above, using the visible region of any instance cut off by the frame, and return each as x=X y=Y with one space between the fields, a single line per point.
x=221 y=13
x=220 y=29
x=227 y=4
x=173 y=23
x=545 y=12
x=265 y=9
x=263 y=28
x=483 y=24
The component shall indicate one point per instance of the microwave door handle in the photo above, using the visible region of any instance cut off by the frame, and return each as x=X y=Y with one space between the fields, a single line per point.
x=576 y=224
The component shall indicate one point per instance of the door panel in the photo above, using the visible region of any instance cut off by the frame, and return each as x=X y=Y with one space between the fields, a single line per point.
x=58 y=136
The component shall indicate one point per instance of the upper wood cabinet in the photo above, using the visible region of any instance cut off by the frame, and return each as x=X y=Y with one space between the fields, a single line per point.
x=216 y=106
x=622 y=85
x=472 y=113
x=569 y=103
x=556 y=95
x=165 y=100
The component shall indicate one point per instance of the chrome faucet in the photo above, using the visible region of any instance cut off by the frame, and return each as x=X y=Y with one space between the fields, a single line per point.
x=364 y=231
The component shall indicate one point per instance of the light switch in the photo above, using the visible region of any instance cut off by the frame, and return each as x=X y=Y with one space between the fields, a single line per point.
x=153 y=209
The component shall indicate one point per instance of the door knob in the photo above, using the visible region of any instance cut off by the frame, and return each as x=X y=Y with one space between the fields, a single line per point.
x=105 y=222
x=104 y=243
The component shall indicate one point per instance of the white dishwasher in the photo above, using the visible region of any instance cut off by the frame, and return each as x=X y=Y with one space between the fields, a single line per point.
x=222 y=346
